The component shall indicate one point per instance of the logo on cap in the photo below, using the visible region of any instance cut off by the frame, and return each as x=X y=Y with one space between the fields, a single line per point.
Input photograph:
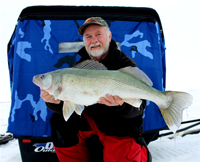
x=92 y=20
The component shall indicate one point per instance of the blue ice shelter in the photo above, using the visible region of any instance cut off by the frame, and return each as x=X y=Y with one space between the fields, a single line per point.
x=46 y=38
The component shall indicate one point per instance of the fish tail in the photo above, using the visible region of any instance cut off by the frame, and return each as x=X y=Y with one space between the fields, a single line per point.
x=177 y=101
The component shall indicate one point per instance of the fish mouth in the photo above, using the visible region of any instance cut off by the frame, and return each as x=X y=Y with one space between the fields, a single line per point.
x=36 y=81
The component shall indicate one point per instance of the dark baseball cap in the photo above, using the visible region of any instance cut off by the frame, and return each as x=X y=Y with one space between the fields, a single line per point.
x=92 y=20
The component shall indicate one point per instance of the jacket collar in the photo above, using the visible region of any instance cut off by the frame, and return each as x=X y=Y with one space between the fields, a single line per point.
x=83 y=53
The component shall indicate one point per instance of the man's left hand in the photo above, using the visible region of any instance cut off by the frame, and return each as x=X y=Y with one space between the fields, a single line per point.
x=111 y=100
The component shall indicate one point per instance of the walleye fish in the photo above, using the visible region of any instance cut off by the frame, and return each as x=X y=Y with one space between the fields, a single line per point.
x=89 y=80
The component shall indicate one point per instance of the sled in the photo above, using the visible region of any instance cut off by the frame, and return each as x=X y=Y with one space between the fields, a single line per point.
x=5 y=138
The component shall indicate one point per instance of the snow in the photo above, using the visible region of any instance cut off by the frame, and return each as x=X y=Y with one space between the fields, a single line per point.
x=180 y=149
x=164 y=149
x=179 y=35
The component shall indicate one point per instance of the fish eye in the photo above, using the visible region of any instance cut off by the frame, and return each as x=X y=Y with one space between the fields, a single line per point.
x=42 y=77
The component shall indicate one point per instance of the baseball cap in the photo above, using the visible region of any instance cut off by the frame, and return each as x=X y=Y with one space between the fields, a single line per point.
x=92 y=20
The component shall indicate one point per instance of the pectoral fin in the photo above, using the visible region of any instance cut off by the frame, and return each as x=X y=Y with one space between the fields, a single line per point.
x=68 y=109
x=133 y=102
x=57 y=92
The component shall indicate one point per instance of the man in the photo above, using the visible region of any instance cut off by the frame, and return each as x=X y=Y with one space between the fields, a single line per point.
x=111 y=126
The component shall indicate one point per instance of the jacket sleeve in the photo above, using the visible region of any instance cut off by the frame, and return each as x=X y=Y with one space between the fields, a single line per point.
x=57 y=108
x=128 y=111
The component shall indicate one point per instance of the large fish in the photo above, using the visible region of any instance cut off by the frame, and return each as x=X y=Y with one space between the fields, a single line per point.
x=89 y=80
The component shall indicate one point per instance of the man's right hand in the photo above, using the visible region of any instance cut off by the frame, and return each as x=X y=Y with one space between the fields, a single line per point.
x=48 y=98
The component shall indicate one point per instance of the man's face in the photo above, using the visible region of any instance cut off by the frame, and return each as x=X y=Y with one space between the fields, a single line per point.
x=97 y=40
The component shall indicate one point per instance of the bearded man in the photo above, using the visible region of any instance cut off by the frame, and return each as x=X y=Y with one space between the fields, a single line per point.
x=110 y=130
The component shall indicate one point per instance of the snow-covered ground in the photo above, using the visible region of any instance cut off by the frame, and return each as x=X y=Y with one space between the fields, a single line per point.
x=164 y=149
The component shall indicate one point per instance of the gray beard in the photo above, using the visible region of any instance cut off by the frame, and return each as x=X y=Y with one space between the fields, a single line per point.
x=99 y=52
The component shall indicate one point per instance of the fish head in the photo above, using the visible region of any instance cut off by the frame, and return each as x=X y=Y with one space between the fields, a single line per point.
x=43 y=81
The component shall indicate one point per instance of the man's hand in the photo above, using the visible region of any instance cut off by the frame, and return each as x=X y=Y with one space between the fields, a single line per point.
x=48 y=98
x=111 y=100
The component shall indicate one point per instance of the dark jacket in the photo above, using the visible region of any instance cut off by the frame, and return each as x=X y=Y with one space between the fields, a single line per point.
x=124 y=120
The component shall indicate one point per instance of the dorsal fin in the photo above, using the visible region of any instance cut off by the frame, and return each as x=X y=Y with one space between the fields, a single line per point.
x=90 y=64
x=137 y=73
